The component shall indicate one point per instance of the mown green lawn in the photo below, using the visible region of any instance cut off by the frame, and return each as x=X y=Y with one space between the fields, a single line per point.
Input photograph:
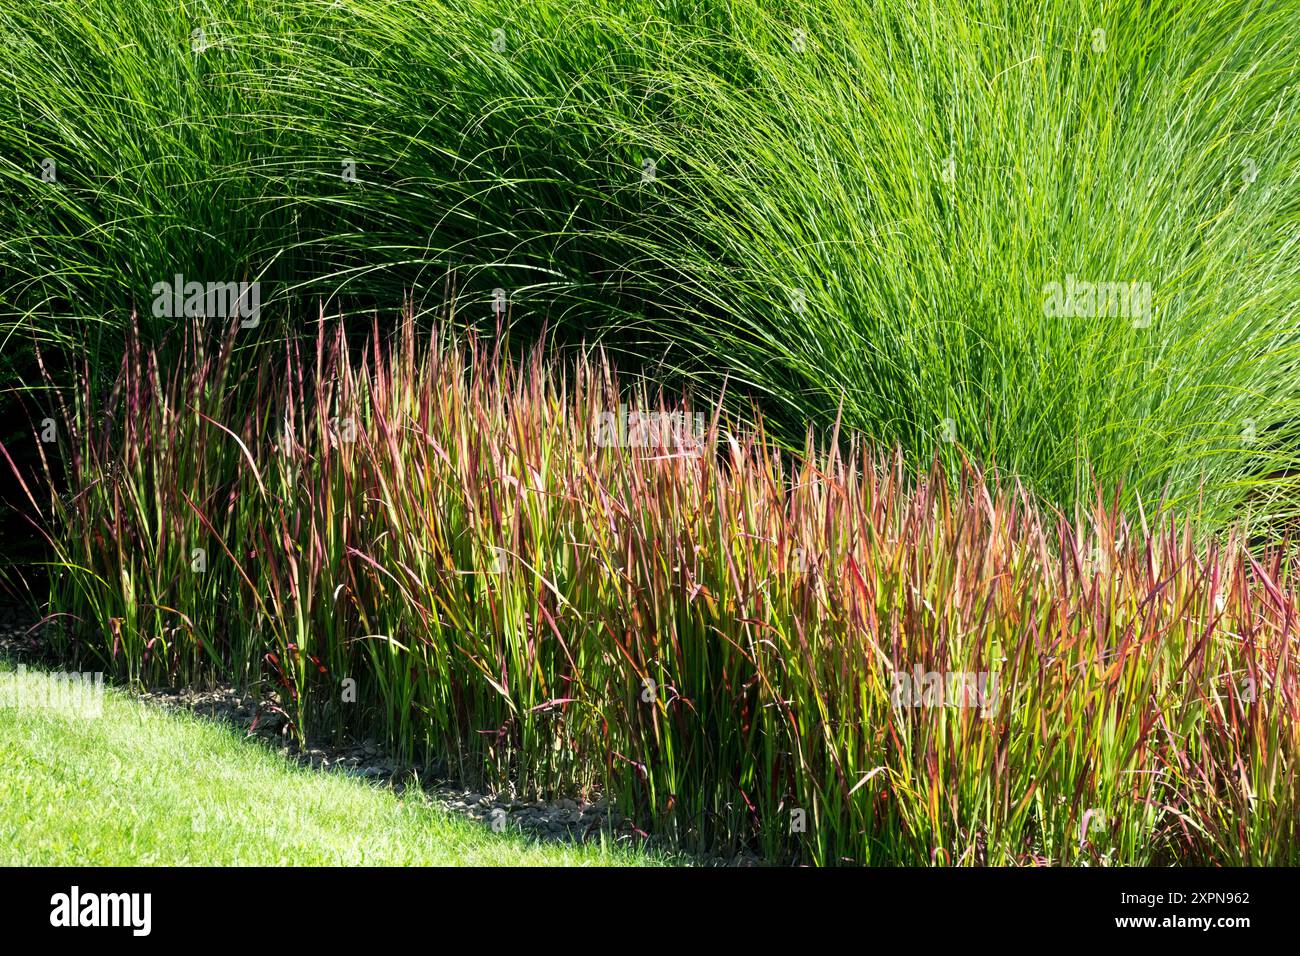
x=136 y=785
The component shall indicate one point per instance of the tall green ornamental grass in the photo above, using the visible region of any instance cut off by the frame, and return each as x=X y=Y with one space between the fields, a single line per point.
x=542 y=578
x=1058 y=238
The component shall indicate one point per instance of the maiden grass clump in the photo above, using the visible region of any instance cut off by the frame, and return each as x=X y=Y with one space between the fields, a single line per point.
x=427 y=540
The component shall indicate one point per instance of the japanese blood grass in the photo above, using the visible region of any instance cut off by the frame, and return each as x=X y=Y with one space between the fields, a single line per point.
x=710 y=638
x=849 y=205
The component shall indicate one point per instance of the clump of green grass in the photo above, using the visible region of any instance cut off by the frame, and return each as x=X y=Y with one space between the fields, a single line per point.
x=472 y=558
x=843 y=207
x=132 y=785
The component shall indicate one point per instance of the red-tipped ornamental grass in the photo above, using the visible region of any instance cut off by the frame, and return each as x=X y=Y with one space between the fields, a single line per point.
x=826 y=658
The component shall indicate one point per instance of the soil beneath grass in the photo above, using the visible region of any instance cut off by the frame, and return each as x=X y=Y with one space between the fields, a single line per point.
x=263 y=720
